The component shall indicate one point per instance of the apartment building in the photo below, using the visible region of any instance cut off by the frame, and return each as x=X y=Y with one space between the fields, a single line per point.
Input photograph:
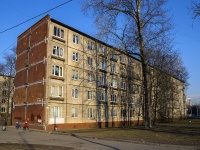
x=67 y=79
x=6 y=95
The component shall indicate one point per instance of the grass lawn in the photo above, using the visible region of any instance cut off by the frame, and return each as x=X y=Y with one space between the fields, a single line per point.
x=186 y=132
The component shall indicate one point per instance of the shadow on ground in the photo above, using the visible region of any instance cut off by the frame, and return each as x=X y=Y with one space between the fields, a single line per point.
x=12 y=146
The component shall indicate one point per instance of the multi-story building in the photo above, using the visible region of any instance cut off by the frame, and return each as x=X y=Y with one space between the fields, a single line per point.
x=68 y=79
x=6 y=95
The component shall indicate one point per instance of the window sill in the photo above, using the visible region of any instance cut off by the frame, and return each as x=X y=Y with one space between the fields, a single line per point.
x=58 y=38
x=57 y=57
x=57 y=98
x=56 y=77
x=114 y=103
x=123 y=63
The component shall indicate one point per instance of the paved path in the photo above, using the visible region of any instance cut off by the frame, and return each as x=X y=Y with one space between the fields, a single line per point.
x=43 y=138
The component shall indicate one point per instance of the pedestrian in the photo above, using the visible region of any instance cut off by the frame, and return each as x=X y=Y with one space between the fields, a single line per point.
x=25 y=126
x=17 y=125
x=4 y=123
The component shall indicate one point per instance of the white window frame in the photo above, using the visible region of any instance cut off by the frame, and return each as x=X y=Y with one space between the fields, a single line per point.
x=113 y=98
x=57 y=91
x=75 y=56
x=58 y=51
x=122 y=71
x=114 y=83
x=102 y=79
x=90 y=95
x=3 y=101
x=122 y=58
x=75 y=74
x=56 y=111
x=102 y=96
x=90 y=113
x=113 y=112
x=75 y=39
x=58 y=32
x=3 y=109
x=123 y=85
x=102 y=64
x=90 y=45
x=90 y=77
x=75 y=93
x=113 y=68
x=102 y=49
x=74 y=112
x=90 y=63
x=54 y=71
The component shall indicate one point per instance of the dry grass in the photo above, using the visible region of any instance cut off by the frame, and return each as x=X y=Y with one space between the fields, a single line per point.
x=185 y=132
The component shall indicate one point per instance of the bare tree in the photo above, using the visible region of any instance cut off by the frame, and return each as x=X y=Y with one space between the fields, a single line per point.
x=8 y=73
x=195 y=9
x=134 y=26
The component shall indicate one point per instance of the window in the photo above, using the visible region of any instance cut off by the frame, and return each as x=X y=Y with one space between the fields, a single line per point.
x=90 y=113
x=113 y=98
x=106 y=112
x=130 y=61
x=102 y=96
x=113 y=112
x=131 y=86
x=102 y=79
x=74 y=93
x=114 y=83
x=90 y=61
x=123 y=85
x=123 y=99
x=131 y=100
x=4 y=92
x=3 y=101
x=56 y=111
x=102 y=64
x=75 y=56
x=113 y=56
x=3 y=109
x=57 y=91
x=75 y=74
x=122 y=59
x=90 y=45
x=58 y=32
x=123 y=113
x=89 y=95
x=74 y=112
x=122 y=71
x=57 y=51
x=57 y=70
x=102 y=49
x=90 y=77
x=75 y=39
x=113 y=68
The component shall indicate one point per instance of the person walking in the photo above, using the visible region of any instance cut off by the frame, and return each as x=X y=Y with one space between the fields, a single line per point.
x=17 y=125
x=25 y=126
x=4 y=123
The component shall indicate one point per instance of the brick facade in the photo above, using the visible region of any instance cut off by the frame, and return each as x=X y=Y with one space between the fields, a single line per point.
x=68 y=79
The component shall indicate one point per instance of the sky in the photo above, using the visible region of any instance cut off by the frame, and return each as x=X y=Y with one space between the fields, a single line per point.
x=187 y=30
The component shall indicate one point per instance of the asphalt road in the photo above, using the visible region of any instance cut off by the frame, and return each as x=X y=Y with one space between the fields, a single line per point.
x=32 y=139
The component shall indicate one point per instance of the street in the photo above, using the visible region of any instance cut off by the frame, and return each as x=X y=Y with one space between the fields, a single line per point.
x=30 y=137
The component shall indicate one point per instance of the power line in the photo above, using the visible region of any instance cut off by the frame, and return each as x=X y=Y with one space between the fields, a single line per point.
x=35 y=16
x=8 y=48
